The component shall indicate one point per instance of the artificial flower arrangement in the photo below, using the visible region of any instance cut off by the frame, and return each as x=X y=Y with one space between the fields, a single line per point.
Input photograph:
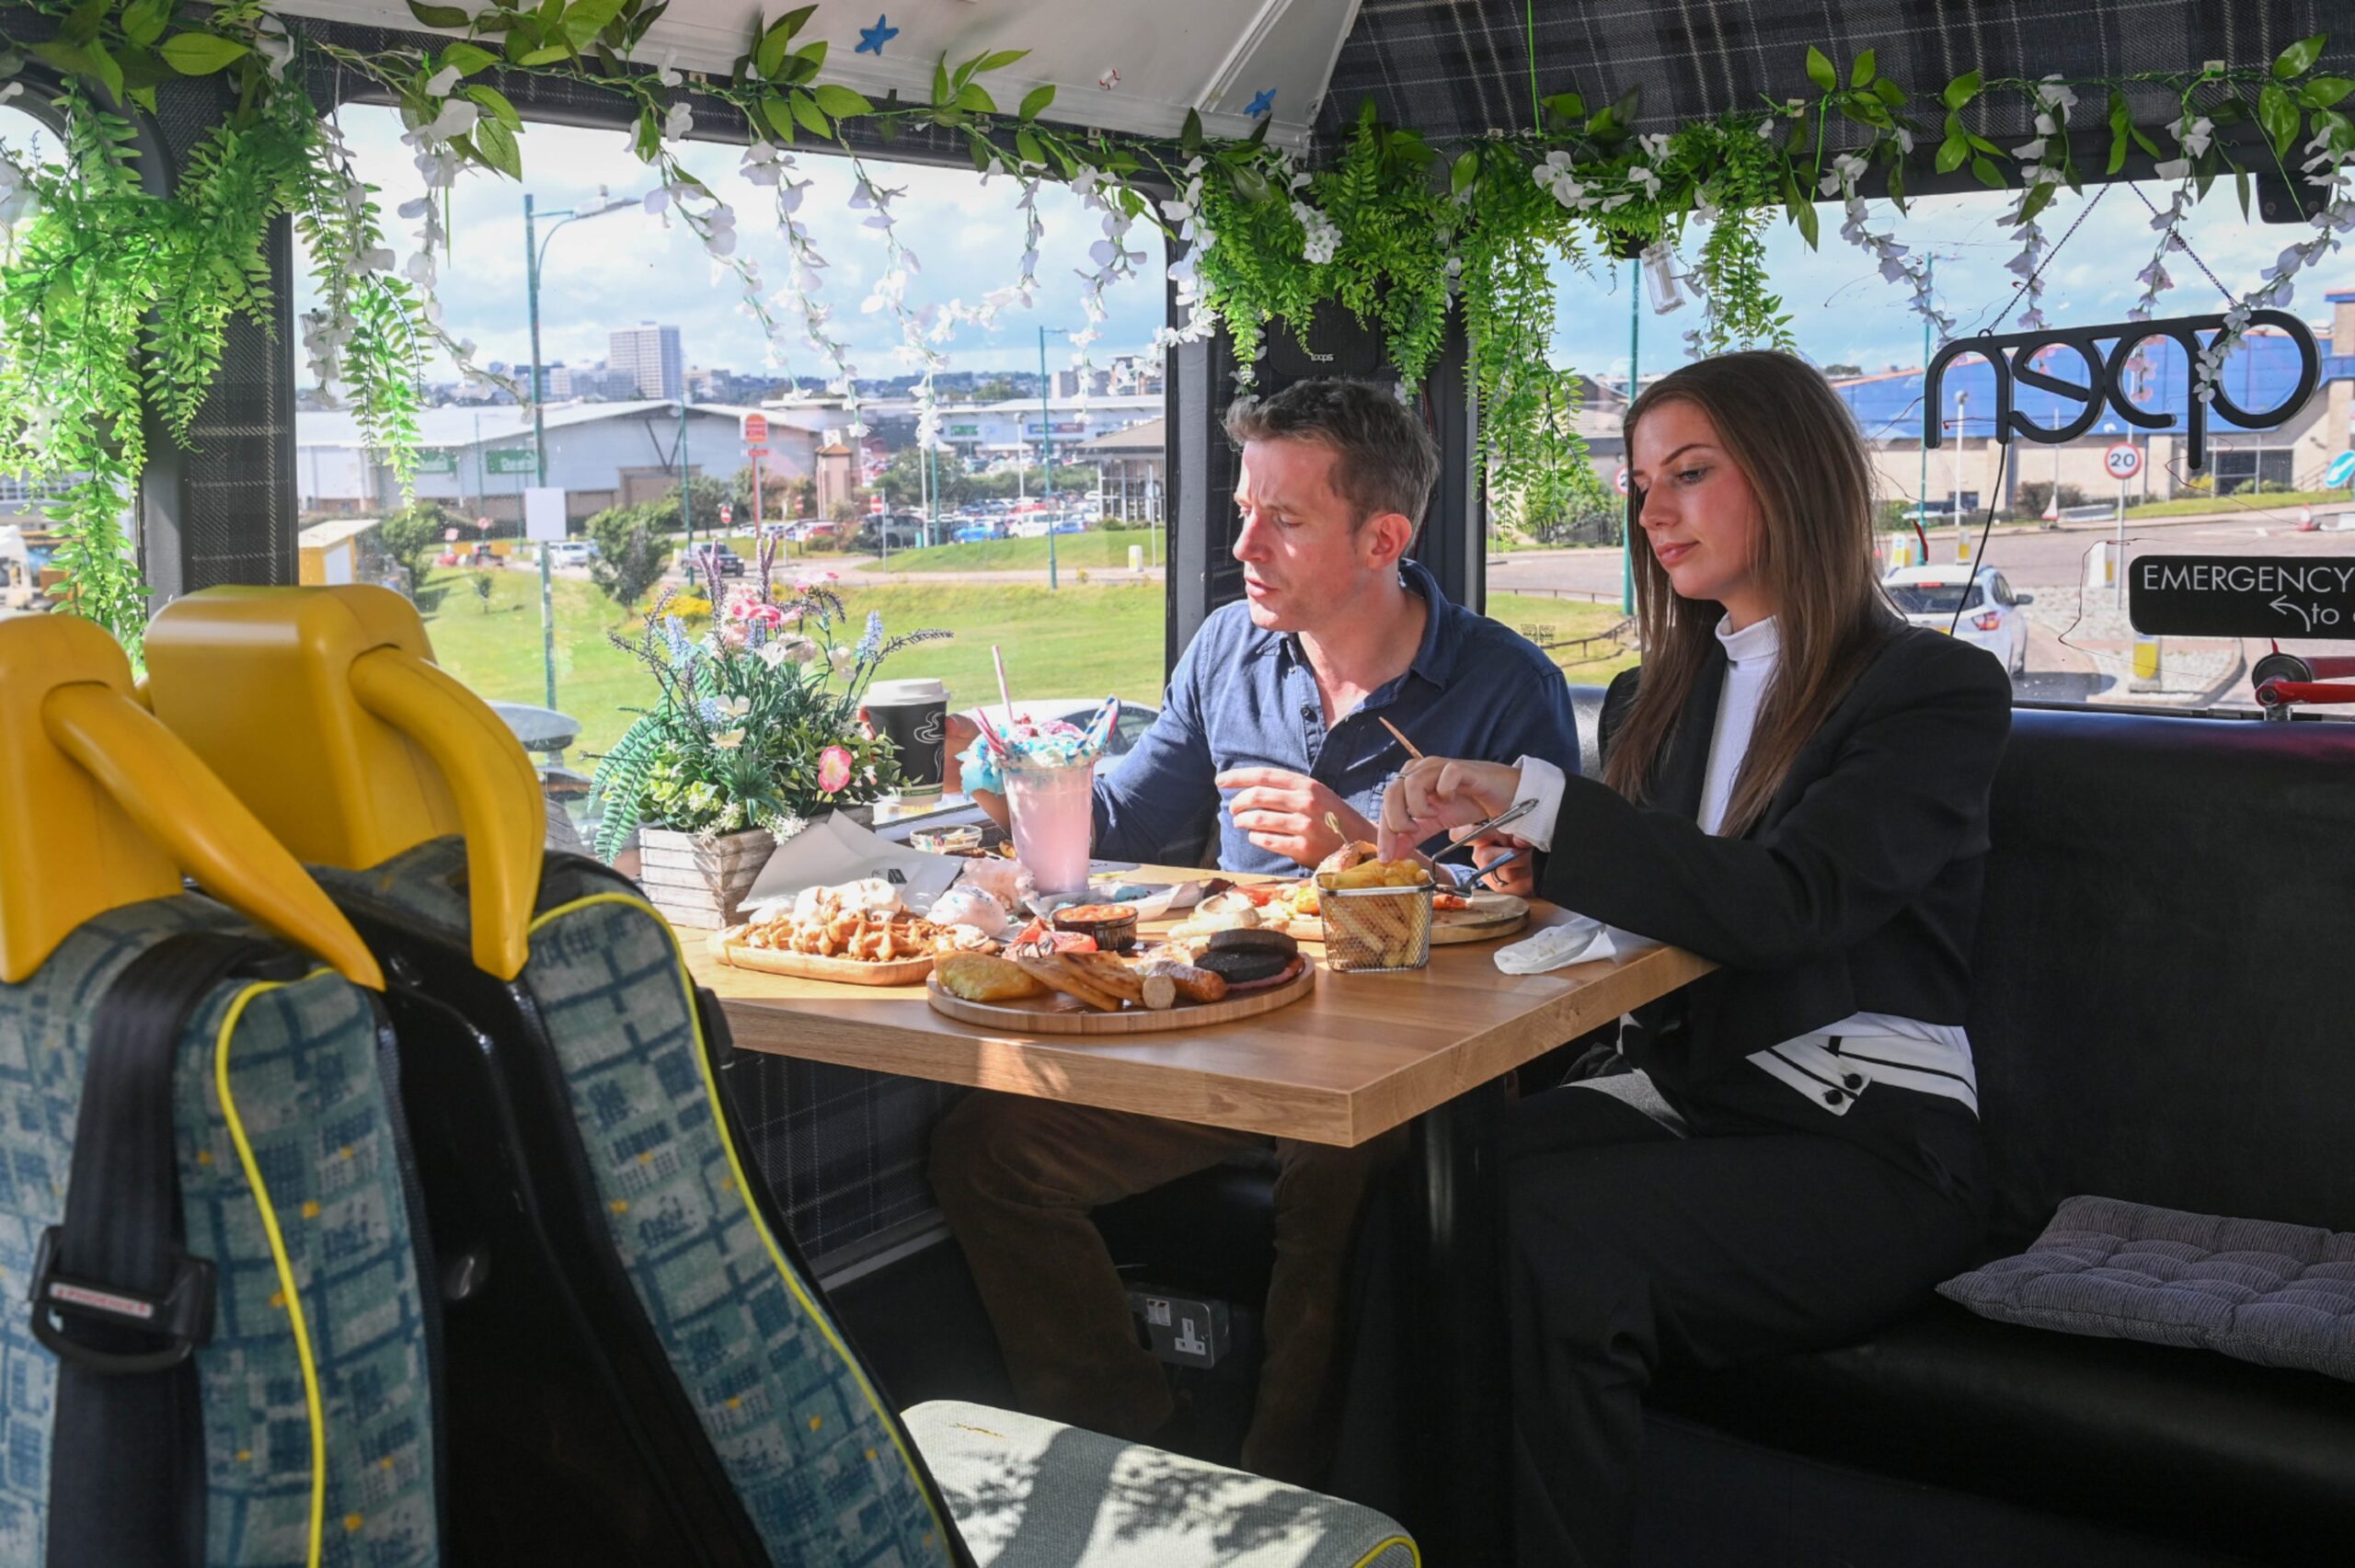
x=756 y=722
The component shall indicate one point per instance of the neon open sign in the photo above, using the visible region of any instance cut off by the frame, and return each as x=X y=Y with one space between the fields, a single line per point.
x=2013 y=356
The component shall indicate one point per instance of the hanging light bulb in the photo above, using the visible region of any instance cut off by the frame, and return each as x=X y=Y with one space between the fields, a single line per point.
x=1661 y=274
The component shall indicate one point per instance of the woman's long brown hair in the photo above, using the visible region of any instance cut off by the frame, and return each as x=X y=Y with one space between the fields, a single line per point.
x=1795 y=442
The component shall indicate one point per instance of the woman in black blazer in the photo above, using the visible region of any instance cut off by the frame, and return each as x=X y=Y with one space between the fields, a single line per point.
x=1785 y=1154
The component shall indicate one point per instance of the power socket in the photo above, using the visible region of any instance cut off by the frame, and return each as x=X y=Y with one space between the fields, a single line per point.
x=1184 y=1331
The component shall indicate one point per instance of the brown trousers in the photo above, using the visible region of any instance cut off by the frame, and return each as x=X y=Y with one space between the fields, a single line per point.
x=1017 y=1178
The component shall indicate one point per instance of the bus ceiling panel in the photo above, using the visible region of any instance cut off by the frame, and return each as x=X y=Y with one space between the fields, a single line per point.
x=1461 y=68
x=1133 y=68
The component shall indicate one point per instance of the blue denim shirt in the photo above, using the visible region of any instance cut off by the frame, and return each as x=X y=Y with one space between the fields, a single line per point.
x=1243 y=697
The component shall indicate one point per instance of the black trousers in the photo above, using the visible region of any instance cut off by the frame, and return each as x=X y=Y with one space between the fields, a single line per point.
x=1625 y=1245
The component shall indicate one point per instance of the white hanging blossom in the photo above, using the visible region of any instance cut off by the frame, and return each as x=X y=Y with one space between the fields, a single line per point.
x=1887 y=254
x=2335 y=217
x=919 y=340
x=2042 y=157
x=1195 y=231
x=1114 y=260
x=1320 y=237
x=805 y=278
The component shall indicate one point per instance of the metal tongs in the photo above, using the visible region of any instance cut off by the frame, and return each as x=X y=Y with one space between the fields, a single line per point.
x=1510 y=814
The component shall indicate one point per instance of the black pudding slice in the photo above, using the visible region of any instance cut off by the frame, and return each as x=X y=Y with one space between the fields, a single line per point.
x=1241 y=968
x=1252 y=940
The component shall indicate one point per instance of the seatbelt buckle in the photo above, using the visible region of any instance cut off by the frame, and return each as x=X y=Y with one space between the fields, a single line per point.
x=181 y=1318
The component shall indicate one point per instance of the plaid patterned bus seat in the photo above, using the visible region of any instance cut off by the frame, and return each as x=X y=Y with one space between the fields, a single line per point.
x=304 y=1134
x=822 y=1468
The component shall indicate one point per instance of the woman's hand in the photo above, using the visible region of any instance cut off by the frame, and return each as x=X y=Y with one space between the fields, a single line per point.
x=1520 y=878
x=1441 y=793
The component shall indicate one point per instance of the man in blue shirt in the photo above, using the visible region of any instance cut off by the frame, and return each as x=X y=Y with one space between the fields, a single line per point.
x=1272 y=719
x=1271 y=722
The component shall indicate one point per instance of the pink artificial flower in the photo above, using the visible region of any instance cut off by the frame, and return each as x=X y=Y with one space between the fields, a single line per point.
x=834 y=769
x=764 y=615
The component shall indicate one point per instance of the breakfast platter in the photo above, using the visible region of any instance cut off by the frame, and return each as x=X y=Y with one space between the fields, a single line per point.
x=1047 y=1011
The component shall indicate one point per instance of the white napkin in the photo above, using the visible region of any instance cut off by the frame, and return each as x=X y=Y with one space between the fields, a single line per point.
x=835 y=849
x=1578 y=940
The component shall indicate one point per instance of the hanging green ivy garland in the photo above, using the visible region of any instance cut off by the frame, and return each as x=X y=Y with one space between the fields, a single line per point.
x=114 y=300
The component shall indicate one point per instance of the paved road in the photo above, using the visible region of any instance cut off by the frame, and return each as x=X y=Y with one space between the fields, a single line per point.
x=2032 y=558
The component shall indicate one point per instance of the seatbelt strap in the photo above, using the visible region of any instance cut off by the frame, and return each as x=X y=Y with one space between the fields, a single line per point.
x=115 y=1294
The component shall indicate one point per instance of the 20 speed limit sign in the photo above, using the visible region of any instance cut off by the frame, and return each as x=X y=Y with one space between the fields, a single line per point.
x=2124 y=460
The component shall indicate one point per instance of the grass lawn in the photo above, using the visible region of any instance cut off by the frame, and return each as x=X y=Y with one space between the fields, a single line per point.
x=1095 y=551
x=1562 y=621
x=1083 y=641
x=2191 y=505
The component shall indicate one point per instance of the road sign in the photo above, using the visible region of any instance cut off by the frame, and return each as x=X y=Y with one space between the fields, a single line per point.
x=2340 y=472
x=1619 y=480
x=756 y=452
x=727 y=513
x=2124 y=460
x=756 y=427
x=449 y=536
x=510 y=459
x=544 y=514
x=2234 y=596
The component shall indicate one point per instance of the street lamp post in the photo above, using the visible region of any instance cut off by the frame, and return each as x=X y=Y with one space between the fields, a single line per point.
x=535 y=253
x=1047 y=454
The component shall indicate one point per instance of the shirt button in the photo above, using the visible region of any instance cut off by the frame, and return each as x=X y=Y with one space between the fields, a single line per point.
x=1833 y=1097
x=1853 y=1080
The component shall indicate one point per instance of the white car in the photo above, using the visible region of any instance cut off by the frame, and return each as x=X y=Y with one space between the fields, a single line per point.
x=572 y=552
x=1992 y=615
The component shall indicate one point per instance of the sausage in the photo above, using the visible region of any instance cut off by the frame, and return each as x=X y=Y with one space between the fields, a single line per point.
x=1194 y=985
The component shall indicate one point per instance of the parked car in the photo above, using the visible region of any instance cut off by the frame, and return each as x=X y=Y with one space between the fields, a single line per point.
x=572 y=552
x=732 y=565
x=1991 y=614
x=977 y=534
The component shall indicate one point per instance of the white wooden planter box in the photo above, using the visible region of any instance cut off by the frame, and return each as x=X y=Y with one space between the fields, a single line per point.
x=700 y=881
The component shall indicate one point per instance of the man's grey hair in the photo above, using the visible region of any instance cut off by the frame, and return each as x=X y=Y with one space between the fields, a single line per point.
x=1383 y=459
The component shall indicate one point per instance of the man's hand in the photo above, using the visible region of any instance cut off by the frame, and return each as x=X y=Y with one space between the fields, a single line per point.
x=1285 y=813
x=957 y=732
x=1438 y=794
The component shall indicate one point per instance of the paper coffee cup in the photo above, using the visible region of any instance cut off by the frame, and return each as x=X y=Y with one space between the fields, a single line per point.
x=912 y=715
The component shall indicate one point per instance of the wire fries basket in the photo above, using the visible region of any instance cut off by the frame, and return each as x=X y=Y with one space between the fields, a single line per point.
x=1376 y=929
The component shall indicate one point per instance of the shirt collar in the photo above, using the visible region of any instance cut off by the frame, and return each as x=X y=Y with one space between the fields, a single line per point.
x=1755 y=643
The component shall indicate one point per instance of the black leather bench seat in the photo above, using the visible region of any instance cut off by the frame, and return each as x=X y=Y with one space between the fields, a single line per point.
x=2156 y=1439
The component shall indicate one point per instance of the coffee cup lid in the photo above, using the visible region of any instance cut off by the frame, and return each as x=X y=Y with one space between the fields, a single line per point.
x=890 y=693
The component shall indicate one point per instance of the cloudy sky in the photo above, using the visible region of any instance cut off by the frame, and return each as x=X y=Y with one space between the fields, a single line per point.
x=626 y=267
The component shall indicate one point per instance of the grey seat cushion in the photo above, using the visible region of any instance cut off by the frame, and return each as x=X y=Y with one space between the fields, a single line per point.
x=1028 y=1493
x=2277 y=1295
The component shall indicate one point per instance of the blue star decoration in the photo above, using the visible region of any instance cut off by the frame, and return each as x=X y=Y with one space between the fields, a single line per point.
x=1264 y=104
x=872 y=40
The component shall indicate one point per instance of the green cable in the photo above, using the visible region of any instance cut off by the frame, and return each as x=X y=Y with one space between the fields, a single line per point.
x=1536 y=114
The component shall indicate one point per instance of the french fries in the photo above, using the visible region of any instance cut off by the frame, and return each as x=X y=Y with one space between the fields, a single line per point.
x=1369 y=927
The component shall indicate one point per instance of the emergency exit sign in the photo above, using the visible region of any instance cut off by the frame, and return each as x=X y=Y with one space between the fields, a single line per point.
x=2241 y=596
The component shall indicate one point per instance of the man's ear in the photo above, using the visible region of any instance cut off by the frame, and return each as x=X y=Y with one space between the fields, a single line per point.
x=1385 y=537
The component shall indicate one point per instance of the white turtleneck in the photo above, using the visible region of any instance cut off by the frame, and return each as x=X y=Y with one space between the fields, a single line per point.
x=1751 y=654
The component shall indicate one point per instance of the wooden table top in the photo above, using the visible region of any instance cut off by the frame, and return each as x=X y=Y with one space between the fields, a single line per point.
x=1357 y=1056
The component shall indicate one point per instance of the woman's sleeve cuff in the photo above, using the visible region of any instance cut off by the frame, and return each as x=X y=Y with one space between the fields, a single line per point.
x=1543 y=782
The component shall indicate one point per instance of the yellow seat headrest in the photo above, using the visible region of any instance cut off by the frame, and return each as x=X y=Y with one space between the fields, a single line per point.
x=323 y=709
x=101 y=805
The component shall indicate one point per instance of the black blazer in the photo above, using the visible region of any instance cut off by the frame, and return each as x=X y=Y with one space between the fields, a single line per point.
x=1857 y=890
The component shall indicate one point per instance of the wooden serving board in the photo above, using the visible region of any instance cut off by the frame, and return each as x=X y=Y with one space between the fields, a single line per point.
x=809 y=966
x=1049 y=1015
